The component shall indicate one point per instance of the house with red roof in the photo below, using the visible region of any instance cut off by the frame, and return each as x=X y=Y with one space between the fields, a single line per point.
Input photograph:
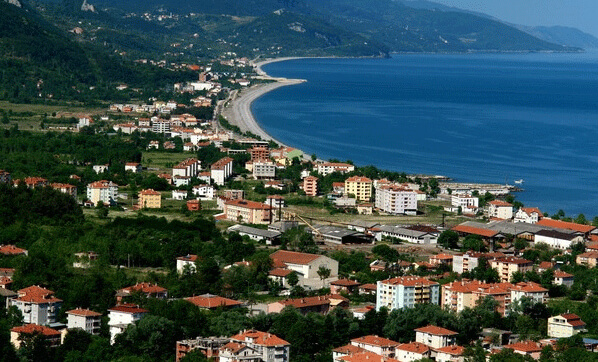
x=563 y=278
x=405 y=292
x=246 y=211
x=441 y=259
x=210 y=302
x=413 y=351
x=565 y=325
x=500 y=210
x=529 y=215
x=589 y=259
x=121 y=316
x=84 y=319
x=10 y=250
x=306 y=265
x=187 y=261
x=435 y=337
x=321 y=304
x=509 y=265
x=367 y=357
x=270 y=347
x=375 y=344
x=346 y=350
x=343 y=285
x=37 y=305
x=233 y=352
x=526 y=348
x=51 y=336
x=148 y=289
x=450 y=354
x=558 y=224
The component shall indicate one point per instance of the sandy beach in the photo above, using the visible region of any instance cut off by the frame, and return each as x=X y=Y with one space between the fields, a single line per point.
x=238 y=110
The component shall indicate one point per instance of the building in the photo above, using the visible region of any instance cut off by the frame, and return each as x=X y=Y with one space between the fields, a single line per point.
x=413 y=351
x=264 y=169
x=204 y=192
x=466 y=262
x=589 y=259
x=344 y=285
x=121 y=316
x=441 y=259
x=360 y=187
x=557 y=239
x=149 y=290
x=340 y=235
x=234 y=194
x=585 y=230
x=259 y=153
x=464 y=201
x=321 y=304
x=306 y=265
x=310 y=186
x=500 y=210
x=12 y=250
x=150 y=199
x=327 y=168
x=65 y=189
x=245 y=211
x=508 y=265
x=565 y=325
x=533 y=291
x=102 y=191
x=32 y=182
x=450 y=354
x=234 y=352
x=268 y=236
x=562 y=278
x=412 y=234
x=133 y=167
x=405 y=292
x=37 y=305
x=179 y=194
x=208 y=346
x=275 y=201
x=187 y=168
x=435 y=337
x=221 y=170
x=51 y=336
x=210 y=302
x=528 y=215
x=5 y=177
x=186 y=262
x=100 y=168
x=193 y=205
x=84 y=319
x=526 y=348
x=396 y=200
x=378 y=345
x=269 y=347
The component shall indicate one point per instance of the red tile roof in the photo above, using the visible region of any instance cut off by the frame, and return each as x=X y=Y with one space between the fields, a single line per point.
x=367 y=357
x=358 y=179
x=437 y=331
x=212 y=301
x=128 y=308
x=259 y=338
x=84 y=312
x=11 y=250
x=349 y=349
x=189 y=257
x=34 y=328
x=345 y=283
x=525 y=346
x=369 y=287
x=562 y=274
x=373 y=340
x=149 y=192
x=414 y=347
x=558 y=224
x=452 y=350
x=293 y=257
x=311 y=301
x=37 y=295
x=147 y=288
x=279 y=272
x=499 y=203
x=248 y=204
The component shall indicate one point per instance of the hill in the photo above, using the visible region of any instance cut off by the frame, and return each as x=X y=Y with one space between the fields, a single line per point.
x=40 y=62
x=562 y=35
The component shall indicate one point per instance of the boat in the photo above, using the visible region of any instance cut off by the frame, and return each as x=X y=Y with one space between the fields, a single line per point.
x=519 y=182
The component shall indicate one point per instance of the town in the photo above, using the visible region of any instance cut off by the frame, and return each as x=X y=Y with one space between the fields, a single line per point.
x=160 y=229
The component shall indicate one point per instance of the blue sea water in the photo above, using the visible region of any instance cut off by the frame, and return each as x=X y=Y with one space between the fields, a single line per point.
x=475 y=118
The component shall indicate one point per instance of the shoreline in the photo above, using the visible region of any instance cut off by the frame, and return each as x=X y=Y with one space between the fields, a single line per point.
x=238 y=108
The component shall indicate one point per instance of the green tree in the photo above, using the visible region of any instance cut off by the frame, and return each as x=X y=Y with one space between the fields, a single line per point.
x=449 y=239
x=292 y=278
x=323 y=273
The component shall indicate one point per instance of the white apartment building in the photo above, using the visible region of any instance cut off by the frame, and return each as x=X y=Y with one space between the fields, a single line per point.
x=264 y=169
x=37 y=305
x=221 y=170
x=160 y=126
x=84 y=319
x=435 y=337
x=500 y=210
x=530 y=215
x=327 y=168
x=102 y=191
x=187 y=261
x=405 y=292
x=121 y=316
x=204 y=192
x=187 y=168
x=565 y=325
x=464 y=201
x=394 y=199
x=179 y=194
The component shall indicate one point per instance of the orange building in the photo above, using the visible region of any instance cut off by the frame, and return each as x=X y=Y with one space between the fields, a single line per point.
x=150 y=199
x=310 y=185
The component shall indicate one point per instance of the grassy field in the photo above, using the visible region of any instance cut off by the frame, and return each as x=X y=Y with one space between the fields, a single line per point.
x=29 y=116
x=162 y=161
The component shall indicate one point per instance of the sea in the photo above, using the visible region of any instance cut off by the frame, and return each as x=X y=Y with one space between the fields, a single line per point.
x=490 y=118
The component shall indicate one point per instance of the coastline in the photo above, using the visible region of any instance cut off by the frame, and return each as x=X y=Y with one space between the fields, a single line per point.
x=238 y=108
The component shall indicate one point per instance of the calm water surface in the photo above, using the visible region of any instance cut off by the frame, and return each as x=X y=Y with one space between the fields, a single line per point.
x=474 y=118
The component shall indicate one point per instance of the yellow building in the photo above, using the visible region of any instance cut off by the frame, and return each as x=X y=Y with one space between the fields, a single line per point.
x=150 y=199
x=360 y=187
